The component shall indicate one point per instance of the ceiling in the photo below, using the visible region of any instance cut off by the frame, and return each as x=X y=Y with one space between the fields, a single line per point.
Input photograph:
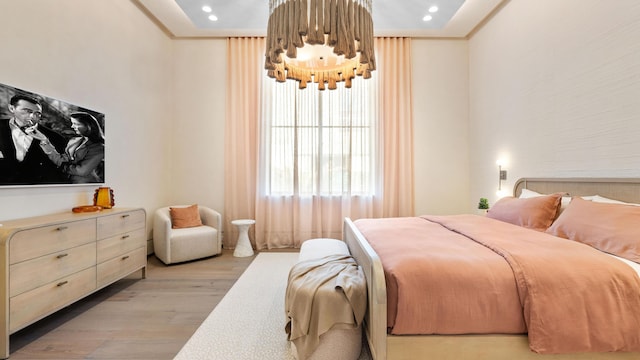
x=185 y=18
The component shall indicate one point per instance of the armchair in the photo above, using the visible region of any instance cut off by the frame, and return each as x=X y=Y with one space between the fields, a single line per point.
x=184 y=244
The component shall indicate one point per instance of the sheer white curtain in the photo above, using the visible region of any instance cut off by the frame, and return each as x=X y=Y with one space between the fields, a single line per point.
x=319 y=160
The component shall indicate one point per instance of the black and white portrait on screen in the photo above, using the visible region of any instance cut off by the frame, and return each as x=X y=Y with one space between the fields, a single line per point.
x=44 y=141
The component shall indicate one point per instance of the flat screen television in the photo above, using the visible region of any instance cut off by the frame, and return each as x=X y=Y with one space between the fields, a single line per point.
x=48 y=142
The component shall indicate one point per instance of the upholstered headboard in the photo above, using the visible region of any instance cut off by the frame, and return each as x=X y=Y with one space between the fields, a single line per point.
x=623 y=189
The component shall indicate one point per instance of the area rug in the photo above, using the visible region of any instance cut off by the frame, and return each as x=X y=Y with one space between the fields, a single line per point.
x=248 y=323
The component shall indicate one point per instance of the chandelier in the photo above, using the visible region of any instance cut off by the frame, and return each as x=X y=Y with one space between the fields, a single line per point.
x=334 y=38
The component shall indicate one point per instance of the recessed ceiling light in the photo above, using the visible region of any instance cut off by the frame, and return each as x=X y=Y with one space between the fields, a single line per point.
x=427 y=18
x=433 y=9
x=213 y=17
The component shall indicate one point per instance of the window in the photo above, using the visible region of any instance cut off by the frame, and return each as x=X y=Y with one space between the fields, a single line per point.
x=319 y=143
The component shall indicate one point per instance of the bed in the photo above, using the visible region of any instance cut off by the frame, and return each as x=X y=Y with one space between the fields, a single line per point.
x=495 y=346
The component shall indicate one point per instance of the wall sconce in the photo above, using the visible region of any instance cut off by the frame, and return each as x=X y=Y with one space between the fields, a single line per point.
x=502 y=175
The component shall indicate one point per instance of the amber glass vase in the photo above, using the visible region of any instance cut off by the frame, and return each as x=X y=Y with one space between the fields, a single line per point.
x=103 y=197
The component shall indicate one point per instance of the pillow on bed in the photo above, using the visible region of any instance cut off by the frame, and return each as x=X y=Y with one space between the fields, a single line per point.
x=534 y=213
x=526 y=193
x=602 y=199
x=612 y=228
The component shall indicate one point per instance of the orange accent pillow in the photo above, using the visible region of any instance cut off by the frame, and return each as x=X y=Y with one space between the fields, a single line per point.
x=612 y=228
x=185 y=217
x=535 y=213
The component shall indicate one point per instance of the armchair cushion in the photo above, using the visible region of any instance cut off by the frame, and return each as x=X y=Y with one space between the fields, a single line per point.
x=177 y=245
x=185 y=217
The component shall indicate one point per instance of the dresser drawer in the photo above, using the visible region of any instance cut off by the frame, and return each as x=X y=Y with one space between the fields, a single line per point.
x=120 y=244
x=36 y=242
x=116 y=268
x=37 y=303
x=30 y=274
x=115 y=224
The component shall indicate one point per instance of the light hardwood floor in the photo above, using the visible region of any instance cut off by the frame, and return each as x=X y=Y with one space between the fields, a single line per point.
x=134 y=318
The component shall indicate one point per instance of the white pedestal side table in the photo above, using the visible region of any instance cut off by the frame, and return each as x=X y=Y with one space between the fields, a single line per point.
x=243 y=247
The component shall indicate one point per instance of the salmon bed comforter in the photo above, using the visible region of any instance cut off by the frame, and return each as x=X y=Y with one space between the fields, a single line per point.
x=469 y=274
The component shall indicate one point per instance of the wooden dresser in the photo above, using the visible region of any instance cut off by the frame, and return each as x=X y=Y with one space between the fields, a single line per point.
x=49 y=262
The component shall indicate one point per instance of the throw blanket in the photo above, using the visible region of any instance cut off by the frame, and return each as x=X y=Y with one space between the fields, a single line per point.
x=323 y=294
x=572 y=297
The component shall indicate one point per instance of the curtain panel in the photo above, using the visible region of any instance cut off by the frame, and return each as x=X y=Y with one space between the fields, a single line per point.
x=242 y=121
x=396 y=117
x=285 y=221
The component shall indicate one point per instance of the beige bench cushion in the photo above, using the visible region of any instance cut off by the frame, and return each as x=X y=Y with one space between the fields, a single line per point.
x=319 y=248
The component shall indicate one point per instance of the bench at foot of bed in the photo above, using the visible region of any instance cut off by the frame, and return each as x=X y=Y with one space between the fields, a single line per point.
x=335 y=344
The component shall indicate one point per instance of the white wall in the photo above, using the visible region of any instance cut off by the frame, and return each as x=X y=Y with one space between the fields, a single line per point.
x=554 y=89
x=441 y=113
x=102 y=55
x=197 y=174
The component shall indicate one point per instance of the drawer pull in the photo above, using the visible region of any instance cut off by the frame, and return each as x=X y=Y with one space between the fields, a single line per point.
x=62 y=283
x=60 y=256
x=125 y=216
x=125 y=236
x=125 y=257
x=60 y=228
